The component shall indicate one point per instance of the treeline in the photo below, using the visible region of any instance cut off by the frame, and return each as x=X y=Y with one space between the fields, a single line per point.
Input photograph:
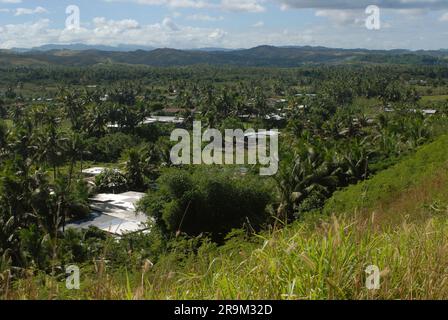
x=97 y=75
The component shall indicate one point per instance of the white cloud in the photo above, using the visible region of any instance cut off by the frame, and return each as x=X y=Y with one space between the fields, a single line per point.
x=197 y=4
x=362 y=4
x=217 y=35
x=104 y=28
x=337 y=28
x=170 y=25
x=253 y=6
x=204 y=17
x=444 y=17
x=416 y=12
x=342 y=17
x=26 y=11
x=27 y=34
x=242 y=6
x=102 y=31
x=111 y=32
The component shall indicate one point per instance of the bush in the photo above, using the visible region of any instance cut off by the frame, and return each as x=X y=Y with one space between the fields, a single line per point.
x=111 y=180
x=79 y=200
x=3 y=110
x=110 y=147
x=35 y=248
x=212 y=202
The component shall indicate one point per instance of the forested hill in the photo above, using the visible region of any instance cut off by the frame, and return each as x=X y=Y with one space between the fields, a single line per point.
x=259 y=56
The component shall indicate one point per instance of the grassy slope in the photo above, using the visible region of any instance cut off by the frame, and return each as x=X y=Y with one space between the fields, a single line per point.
x=397 y=221
x=419 y=170
x=435 y=98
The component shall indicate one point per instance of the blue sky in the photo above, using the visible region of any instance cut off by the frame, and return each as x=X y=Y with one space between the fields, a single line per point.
x=410 y=24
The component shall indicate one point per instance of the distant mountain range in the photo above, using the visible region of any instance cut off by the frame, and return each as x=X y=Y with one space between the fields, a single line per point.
x=84 y=47
x=288 y=56
x=118 y=48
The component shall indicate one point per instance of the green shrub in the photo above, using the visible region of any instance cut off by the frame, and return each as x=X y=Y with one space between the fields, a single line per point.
x=111 y=180
x=110 y=147
x=207 y=201
x=35 y=247
x=79 y=200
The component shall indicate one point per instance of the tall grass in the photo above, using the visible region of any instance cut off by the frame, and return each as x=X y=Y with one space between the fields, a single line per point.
x=295 y=263
x=396 y=221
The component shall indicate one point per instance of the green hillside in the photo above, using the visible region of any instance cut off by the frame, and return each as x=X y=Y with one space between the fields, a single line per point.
x=397 y=221
x=387 y=186
x=255 y=57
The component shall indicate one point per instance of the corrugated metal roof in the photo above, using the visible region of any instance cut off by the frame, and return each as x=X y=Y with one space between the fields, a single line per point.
x=114 y=213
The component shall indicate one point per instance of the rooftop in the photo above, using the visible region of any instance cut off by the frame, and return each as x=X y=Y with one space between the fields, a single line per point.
x=163 y=119
x=115 y=214
x=95 y=171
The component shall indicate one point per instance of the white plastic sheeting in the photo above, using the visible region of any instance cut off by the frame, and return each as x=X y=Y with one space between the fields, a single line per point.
x=115 y=214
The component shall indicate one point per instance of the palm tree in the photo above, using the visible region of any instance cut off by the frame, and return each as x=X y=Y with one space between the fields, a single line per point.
x=74 y=109
x=134 y=170
x=3 y=138
x=309 y=171
x=74 y=150
x=21 y=141
x=46 y=203
x=15 y=195
x=355 y=159
x=96 y=120
x=260 y=106
x=16 y=113
x=50 y=144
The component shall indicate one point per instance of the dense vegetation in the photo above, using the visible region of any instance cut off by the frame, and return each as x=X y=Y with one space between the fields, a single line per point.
x=402 y=231
x=353 y=140
x=215 y=202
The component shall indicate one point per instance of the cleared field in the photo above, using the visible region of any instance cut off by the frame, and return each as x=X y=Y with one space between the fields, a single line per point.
x=438 y=98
